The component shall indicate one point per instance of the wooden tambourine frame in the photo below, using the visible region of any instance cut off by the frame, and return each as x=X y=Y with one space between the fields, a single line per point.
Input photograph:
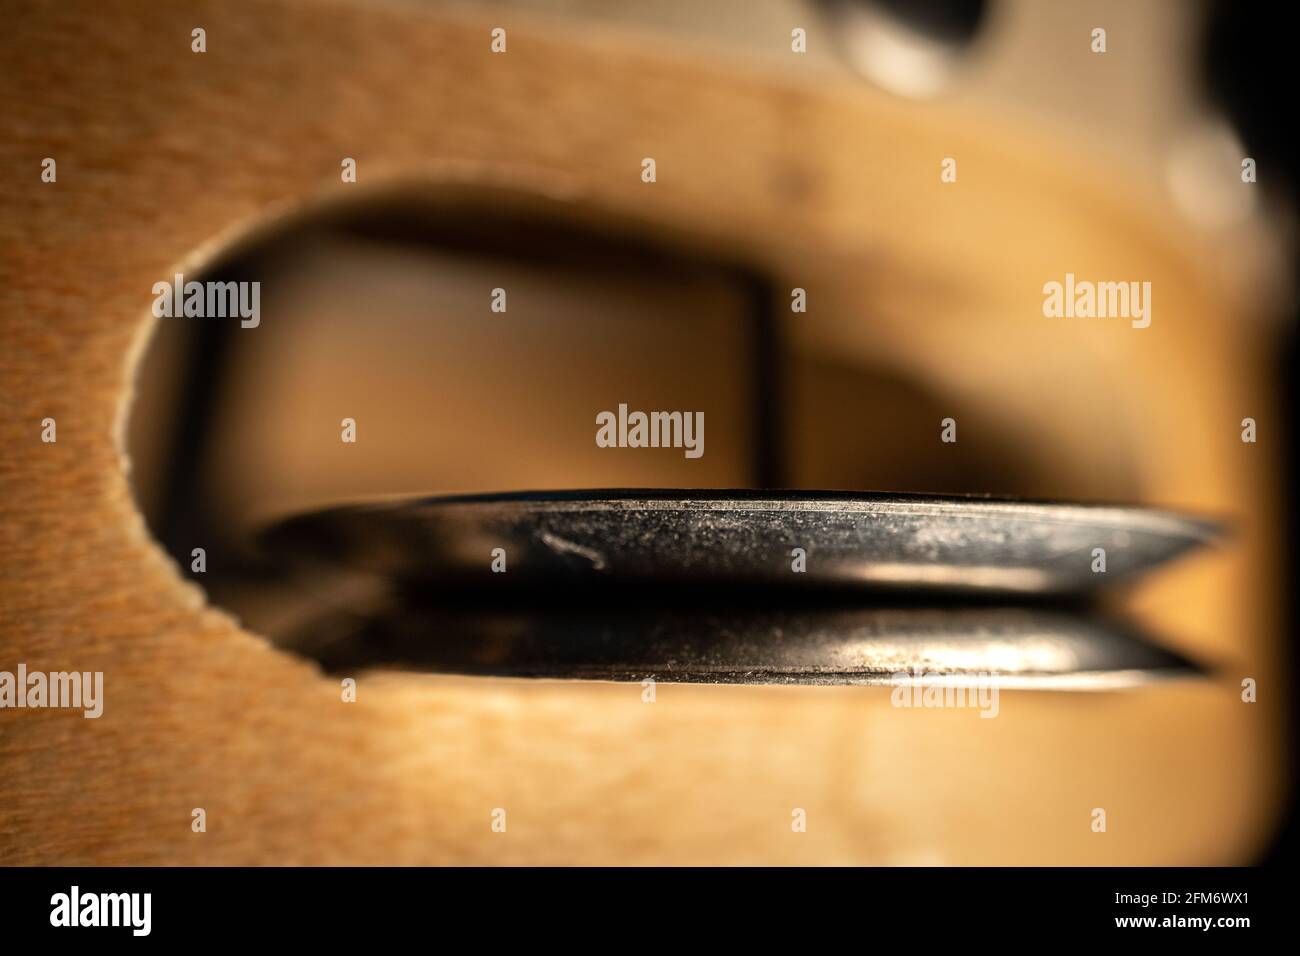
x=166 y=158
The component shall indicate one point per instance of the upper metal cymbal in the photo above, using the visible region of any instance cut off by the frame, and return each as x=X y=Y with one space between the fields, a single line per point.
x=874 y=541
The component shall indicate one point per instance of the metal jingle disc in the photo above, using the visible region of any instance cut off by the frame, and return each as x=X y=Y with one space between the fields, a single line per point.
x=1006 y=647
x=871 y=541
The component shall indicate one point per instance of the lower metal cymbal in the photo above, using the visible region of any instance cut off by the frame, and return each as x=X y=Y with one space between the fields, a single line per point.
x=1007 y=647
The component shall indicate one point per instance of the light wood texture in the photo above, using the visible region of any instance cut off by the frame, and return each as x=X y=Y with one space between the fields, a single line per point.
x=165 y=156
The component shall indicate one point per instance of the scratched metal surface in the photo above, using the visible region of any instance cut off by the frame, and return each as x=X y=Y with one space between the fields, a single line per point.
x=868 y=541
x=1010 y=647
